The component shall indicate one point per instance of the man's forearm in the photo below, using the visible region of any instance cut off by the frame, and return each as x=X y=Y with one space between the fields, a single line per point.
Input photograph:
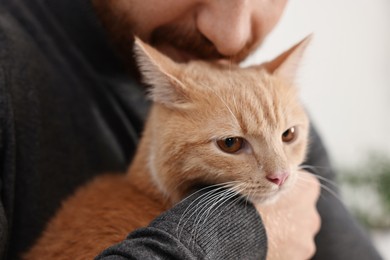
x=192 y=230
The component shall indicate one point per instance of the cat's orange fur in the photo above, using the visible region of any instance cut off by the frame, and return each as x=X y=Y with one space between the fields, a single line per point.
x=195 y=105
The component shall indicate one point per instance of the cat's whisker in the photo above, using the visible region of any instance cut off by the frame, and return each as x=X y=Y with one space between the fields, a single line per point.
x=332 y=192
x=231 y=193
x=235 y=102
x=219 y=185
x=229 y=205
x=247 y=198
x=313 y=167
x=334 y=184
x=213 y=201
x=215 y=205
x=229 y=190
x=224 y=103
x=316 y=173
x=194 y=205
x=206 y=206
x=251 y=194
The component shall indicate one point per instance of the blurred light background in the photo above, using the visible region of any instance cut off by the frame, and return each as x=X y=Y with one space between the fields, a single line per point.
x=345 y=84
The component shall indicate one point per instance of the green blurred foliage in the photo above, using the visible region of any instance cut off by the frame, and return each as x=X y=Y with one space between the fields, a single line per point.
x=375 y=173
x=383 y=183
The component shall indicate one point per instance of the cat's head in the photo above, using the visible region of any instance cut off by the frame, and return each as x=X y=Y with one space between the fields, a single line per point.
x=214 y=123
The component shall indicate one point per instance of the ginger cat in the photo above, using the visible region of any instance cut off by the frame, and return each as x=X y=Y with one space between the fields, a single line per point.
x=211 y=123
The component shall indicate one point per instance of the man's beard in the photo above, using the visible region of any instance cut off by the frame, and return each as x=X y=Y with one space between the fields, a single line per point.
x=186 y=38
x=181 y=36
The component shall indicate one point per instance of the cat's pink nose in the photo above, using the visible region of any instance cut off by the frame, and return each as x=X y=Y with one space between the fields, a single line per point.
x=277 y=178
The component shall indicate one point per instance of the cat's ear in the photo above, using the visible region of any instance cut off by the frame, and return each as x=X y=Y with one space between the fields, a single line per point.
x=160 y=73
x=286 y=65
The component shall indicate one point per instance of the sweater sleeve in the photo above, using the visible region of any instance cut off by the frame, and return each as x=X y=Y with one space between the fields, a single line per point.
x=197 y=229
x=340 y=236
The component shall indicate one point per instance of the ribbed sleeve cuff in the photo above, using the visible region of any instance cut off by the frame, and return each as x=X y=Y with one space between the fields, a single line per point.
x=214 y=225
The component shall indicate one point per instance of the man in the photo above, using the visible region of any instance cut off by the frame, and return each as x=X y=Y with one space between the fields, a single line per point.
x=70 y=109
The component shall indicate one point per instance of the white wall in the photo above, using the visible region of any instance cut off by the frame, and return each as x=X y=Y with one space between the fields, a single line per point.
x=345 y=77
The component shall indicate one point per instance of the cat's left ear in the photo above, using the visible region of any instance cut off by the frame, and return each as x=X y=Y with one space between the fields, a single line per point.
x=286 y=65
x=161 y=74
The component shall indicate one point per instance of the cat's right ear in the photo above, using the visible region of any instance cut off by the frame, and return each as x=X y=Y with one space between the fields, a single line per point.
x=160 y=73
x=286 y=64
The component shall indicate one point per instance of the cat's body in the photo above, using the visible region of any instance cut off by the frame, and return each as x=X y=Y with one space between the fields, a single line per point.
x=210 y=124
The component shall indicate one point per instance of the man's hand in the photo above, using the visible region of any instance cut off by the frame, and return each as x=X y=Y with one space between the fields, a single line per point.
x=293 y=221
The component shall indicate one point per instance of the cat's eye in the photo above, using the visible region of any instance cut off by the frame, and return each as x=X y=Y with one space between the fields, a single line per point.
x=231 y=144
x=289 y=135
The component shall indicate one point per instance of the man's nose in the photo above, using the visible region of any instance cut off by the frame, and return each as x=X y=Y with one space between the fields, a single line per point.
x=227 y=24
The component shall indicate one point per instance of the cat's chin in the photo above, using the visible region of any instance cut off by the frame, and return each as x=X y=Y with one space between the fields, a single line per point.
x=269 y=198
x=265 y=199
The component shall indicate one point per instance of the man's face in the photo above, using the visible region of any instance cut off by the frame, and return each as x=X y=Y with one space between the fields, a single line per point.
x=193 y=29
